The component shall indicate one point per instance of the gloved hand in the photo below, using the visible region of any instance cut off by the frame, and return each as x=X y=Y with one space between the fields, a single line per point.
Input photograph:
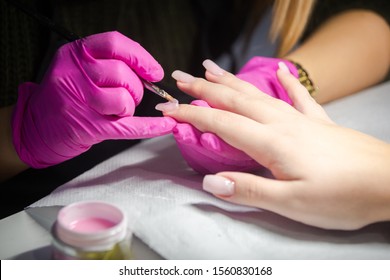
x=88 y=94
x=261 y=72
x=207 y=153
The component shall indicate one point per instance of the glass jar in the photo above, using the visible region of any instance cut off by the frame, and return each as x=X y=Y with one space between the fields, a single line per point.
x=91 y=230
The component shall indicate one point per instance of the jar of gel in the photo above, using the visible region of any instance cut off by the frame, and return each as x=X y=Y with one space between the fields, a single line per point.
x=91 y=230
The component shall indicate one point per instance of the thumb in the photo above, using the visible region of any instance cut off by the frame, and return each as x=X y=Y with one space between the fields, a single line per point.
x=135 y=128
x=247 y=189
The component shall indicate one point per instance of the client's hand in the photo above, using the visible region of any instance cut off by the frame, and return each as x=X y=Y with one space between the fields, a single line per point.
x=88 y=94
x=324 y=175
x=206 y=152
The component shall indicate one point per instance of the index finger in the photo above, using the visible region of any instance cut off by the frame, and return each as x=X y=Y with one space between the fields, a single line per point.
x=259 y=107
x=114 y=45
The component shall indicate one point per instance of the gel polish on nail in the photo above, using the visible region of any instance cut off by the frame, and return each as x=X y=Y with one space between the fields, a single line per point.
x=218 y=185
x=212 y=67
x=283 y=67
x=183 y=77
x=167 y=106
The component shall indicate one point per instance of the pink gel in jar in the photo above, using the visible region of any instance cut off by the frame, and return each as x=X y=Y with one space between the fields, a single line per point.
x=91 y=230
x=91 y=224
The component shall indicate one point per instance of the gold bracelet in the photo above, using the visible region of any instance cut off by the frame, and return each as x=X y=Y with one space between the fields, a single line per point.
x=305 y=80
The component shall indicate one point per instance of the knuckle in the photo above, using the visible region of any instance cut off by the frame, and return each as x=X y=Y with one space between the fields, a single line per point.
x=113 y=40
x=231 y=78
x=253 y=192
x=198 y=86
x=63 y=48
x=119 y=68
x=239 y=100
x=113 y=36
x=221 y=120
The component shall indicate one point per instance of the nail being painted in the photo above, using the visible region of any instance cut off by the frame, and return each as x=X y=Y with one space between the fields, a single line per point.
x=168 y=106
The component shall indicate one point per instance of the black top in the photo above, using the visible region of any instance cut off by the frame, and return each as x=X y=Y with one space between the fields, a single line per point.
x=178 y=33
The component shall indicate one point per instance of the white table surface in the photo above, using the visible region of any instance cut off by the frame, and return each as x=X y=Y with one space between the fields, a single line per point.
x=368 y=111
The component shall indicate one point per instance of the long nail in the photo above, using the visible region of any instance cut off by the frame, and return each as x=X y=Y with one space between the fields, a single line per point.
x=183 y=77
x=283 y=67
x=218 y=185
x=167 y=106
x=212 y=67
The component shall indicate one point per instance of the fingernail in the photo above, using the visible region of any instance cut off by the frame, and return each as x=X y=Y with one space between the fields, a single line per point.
x=212 y=67
x=283 y=67
x=183 y=77
x=218 y=185
x=168 y=106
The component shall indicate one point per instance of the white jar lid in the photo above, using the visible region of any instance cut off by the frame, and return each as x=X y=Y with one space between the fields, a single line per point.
x=91 y=225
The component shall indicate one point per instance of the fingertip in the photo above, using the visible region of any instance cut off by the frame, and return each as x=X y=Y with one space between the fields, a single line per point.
x=136 y=89
x=283 y=67
x=284 y=75
x=153 y=72
x=218 y=185
x=182 y=77
x=289 y=82
x=167 y=107
x=213 y=68
x=115 y=45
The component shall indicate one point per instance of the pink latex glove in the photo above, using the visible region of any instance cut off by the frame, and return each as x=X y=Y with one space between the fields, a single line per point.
x=261 y=72
x=88 y=94
x=206 y=152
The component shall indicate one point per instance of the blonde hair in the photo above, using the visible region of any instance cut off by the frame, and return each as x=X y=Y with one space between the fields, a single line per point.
x=289 y=19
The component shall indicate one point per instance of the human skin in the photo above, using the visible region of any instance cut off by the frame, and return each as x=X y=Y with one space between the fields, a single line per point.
x=357 y=38
x=325 y=175
x=346 y=54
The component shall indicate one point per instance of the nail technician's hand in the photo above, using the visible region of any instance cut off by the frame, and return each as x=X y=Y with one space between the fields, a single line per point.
x=88 y=94
x=261 y=72
x=324 y=175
